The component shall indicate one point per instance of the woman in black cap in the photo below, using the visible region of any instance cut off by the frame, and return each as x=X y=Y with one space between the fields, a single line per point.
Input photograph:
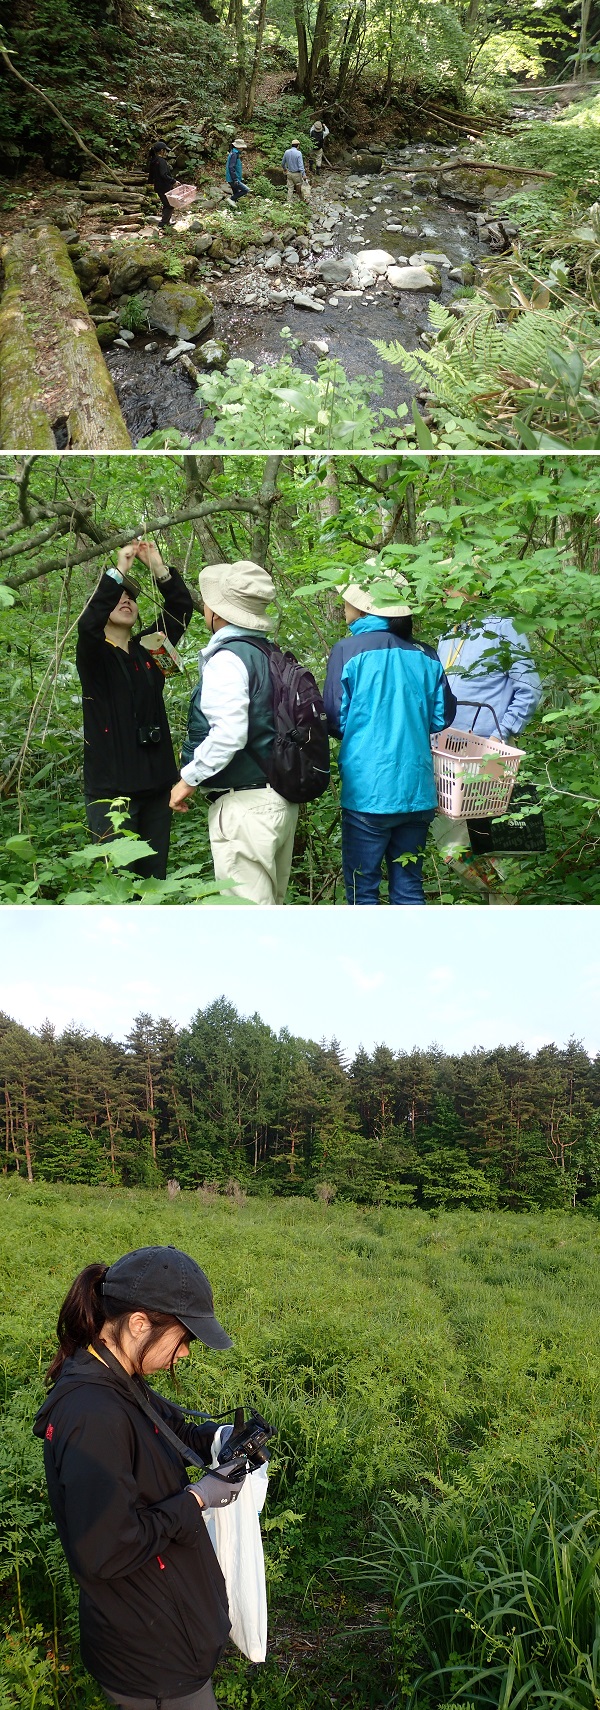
x=153 y=1605
x=161 y=177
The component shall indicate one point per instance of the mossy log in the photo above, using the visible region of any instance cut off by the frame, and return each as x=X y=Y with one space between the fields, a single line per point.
x=72 y=382
x=24 y=424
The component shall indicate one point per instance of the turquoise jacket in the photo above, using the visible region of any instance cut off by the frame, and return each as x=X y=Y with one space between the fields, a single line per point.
x=384 y=697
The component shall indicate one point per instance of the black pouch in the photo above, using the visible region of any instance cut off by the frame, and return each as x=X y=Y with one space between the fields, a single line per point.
x=526 y=836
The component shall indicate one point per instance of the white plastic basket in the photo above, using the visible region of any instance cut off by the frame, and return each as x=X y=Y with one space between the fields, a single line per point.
x=182 y=195
x=474 y=775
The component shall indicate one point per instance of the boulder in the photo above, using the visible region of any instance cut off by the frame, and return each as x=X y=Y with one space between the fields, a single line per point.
x=132 y=265
x=465 y=275
x=273 y=262
x=336 y=272
x=413 y=279
x=182 y=311
x=366 y=162
x=155 y=281
x=102 y=292
x=88 y=265
x=433 y=255
x=291 y=257
x=198 y=245
x=463 y=187
x=107 y=332
x=214 y=353
x=373 y=261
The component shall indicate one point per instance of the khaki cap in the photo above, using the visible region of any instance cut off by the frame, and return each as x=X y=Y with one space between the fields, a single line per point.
x=239 y=592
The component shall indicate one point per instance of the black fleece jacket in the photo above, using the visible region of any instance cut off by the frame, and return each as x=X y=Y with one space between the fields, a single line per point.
x=123 y=692
x=153 y=1604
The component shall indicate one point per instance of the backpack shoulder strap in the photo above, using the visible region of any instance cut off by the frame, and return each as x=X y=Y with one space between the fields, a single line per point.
x=139 y=1395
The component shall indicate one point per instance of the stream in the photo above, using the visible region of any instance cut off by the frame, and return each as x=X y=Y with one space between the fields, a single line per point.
x=350 y=211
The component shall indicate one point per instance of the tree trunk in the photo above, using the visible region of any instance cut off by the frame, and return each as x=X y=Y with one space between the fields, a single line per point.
x=240 y=55
x=77 y=386
x=581 y=68
x=300 y=22
x=256 y=63
x=26 y=1134
x=320 y=42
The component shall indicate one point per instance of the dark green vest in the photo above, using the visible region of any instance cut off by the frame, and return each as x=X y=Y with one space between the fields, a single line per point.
x=243 y=772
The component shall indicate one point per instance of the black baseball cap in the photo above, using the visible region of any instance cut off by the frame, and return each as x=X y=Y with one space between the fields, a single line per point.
x=162 y=1279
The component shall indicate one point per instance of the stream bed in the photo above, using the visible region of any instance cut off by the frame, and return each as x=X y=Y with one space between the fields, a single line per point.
x=350 y=211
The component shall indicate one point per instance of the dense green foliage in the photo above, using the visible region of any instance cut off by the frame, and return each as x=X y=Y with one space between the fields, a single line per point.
x=227 y=1101
x=434 y=1384
x=514 y=537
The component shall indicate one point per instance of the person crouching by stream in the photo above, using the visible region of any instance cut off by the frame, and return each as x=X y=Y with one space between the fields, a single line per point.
x=153 y=1612
x=161 y=178
x=233 y=170
x=231 y=729
x=293 y=166
x=384 y=694
x=127 y=742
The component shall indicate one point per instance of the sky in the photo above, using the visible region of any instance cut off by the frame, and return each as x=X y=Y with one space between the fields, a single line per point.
x=458 y=977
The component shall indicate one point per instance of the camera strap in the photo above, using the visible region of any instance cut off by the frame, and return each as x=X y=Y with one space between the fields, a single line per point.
x=139 y=1394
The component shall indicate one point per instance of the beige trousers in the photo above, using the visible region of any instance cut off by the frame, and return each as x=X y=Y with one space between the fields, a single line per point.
x=295 y=181
x=252 y=842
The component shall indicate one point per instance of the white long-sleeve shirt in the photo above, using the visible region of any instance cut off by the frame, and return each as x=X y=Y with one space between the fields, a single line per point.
x=224 y=700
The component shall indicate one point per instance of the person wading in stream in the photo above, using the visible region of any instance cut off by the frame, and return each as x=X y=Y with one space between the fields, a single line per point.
x=161 y=177
x=293 y=166
x=127 y=742
x=231 y=728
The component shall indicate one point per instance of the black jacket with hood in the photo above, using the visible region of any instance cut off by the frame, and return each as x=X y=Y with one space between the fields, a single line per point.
x=153 y=1605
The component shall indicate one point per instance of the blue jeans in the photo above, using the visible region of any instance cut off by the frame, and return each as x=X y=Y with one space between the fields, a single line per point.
x=370 y=838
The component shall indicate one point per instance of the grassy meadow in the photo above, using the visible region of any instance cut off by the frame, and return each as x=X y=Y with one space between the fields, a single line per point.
x=432 y=1530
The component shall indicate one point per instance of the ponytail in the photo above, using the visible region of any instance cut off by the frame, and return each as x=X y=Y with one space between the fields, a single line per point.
x=84 y=1313
x=81 y=1316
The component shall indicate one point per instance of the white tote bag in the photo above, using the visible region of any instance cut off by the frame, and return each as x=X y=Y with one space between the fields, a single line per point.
x=235 y=1535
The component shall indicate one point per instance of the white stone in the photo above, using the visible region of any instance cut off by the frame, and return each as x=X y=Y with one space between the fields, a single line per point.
x=302 y=300
x=320 y=345
x=333 y=302
x=373 y=260
x=410 y=279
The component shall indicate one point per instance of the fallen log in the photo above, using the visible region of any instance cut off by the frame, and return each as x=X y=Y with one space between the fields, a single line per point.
x=68 y=378
x=494 y=166
x=23 y=420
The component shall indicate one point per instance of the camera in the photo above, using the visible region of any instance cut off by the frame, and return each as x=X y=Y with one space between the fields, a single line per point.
x=148 y=734
x=246 y=1444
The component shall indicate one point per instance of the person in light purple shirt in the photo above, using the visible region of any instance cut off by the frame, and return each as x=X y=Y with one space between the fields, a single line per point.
x=487 y=660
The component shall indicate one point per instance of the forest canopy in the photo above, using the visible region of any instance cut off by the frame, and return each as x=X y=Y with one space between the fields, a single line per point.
x=228 y=1105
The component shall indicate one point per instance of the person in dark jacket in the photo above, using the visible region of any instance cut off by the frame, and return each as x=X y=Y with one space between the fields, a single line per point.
x=384 y=694
x=161 y=177
x=153 y=1605
x=127 y=741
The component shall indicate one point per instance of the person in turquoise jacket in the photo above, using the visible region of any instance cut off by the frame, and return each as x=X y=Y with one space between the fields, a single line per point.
x=384 y=694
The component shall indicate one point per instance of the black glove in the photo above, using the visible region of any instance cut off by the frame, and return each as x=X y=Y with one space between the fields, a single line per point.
x=214 y=1491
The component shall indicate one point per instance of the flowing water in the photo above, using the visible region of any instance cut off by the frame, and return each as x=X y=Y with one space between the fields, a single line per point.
x=154 y=394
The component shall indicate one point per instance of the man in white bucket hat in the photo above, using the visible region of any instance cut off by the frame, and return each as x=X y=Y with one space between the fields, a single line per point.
x=384 y=694
x=230 y=730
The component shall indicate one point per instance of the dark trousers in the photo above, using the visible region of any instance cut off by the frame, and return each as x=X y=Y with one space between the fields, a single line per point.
x=203 y=1699
x=369 y=839
x=150 y=817
x=167 y=211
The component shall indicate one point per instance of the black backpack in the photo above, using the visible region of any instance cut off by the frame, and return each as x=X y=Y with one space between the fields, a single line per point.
x=298 y=766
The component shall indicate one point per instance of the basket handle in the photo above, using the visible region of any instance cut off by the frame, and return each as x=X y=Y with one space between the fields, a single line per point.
x=479 y=705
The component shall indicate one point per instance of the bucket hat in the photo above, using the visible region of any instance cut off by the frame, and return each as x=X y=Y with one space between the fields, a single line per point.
x=163 y=1279
x=239 y=592
x=238 y=142
x=364 y=602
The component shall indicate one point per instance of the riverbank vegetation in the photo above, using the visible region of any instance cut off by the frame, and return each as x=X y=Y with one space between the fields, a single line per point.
x=431 y=1527
x=511 y=537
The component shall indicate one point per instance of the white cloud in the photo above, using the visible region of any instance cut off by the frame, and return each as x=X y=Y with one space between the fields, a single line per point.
x=359 y=976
